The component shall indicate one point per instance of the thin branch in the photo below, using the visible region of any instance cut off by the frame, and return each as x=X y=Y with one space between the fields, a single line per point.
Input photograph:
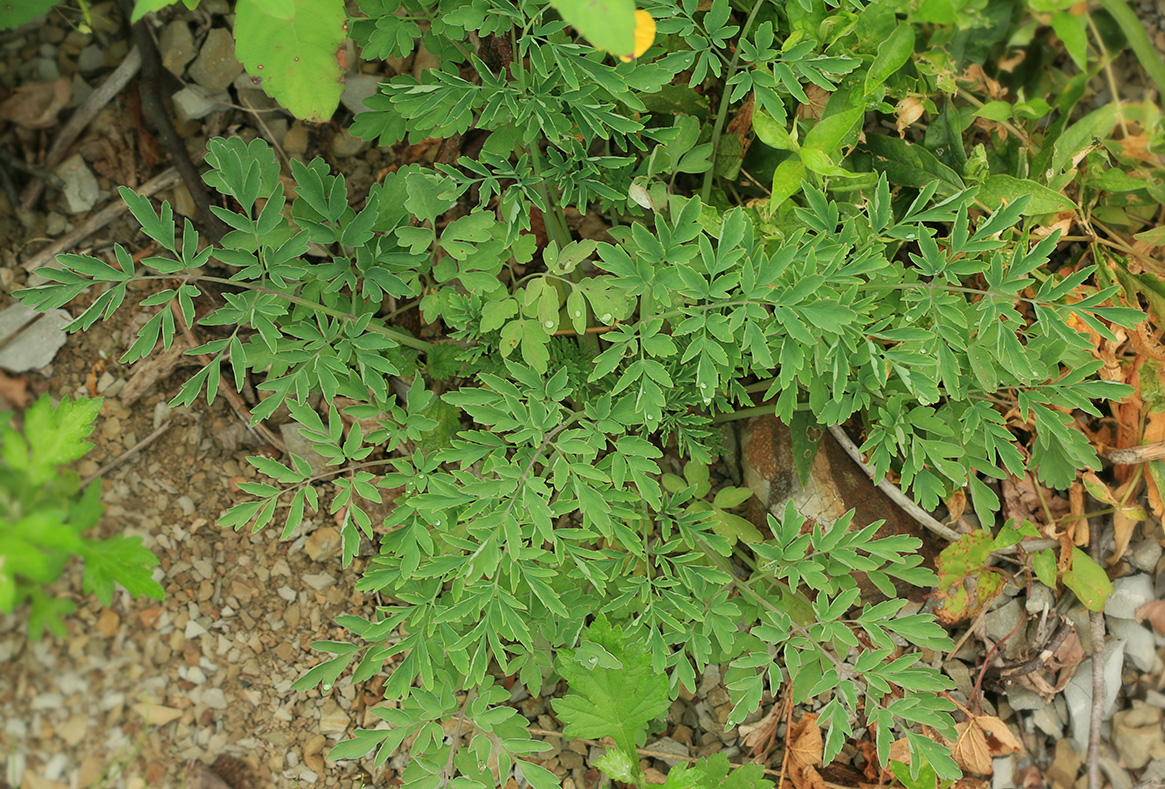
x=893 y=491
x=1096 y=621
x=138 y=447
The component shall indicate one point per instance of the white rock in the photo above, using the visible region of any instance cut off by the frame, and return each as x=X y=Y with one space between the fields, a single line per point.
x=191 y=105
x=214 y=698
x=332 y=719
x=1129 y=594
x=194 y=630
x=287 y=593
x=35 y=346
x=80 y=190
x=319 y=581
x=1078 y=693
x=1140 y=645
x=357 y=88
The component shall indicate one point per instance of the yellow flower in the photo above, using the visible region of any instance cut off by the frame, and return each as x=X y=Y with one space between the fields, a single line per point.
x=644 y=34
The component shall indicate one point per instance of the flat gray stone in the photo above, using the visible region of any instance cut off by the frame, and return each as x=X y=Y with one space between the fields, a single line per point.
x=358 y=87
x=90 y=59
x=80 y=190
x=35 y=347
x=1129 y=594
x=191 y=104
x=1078 y=693
x=177 y=47
x=343 y=144
x=216 y=67
x=298 y=445
x=1145 y=554
x=668 y=745
x=1140 y=645
x=1003 y=620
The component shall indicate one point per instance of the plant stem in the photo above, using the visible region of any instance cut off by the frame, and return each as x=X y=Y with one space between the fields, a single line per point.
x=722 y=113
x=384 y=331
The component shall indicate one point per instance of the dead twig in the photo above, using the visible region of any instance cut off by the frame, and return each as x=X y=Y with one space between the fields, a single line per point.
x=138 y=447
x=1133 y=455
x=1096 y=621
x=99 y=220
x=893 y=491
x=1047 y=653
x=155 y=109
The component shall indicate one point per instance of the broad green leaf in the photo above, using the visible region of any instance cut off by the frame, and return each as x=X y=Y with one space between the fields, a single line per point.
x=1000 y=189
x=893 y=53
x=607 y=24
x=14 y=13
x=121 y=559
x=1088 y=581
x=911 y=165
x=1071 y=30
x=295 y=58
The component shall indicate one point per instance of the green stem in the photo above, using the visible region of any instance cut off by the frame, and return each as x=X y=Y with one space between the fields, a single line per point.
x=722 y=113
x=384 y=331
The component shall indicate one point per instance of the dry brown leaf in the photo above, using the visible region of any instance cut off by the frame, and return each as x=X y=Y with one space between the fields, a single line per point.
x=35 y=105
x=14 y=389
x=956 y=506
x=805 y=751
x=907 y=111
x=981 y=739
x=755 y=735
x=1154 y=432
x=1153 y=612
x=1009 y=63
x=1126 y=518
x=818 y=98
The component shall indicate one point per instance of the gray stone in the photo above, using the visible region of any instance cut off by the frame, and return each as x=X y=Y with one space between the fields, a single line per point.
x=1145 y=554
x=357 y=88
x=1021 y=698
x=1140 y=645
x=80 y=190
x=1129 y=594
x=47 y=69
x=1078 y=693
x=36 y=346
x=1118 y=776
x=1001 y=622
x=1047 y=719
x=1041 y=598
x=1003 y=776
x=90 y=59
x=1155 y=771
x=80 y=91
x=343 y=144
x=668 y=745
x=216 y=67
x=177 y=47
x=191 y=104
x=298 y=445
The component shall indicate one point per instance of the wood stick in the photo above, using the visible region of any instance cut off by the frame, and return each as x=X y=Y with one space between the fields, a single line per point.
x=1134 y=455
x=99 y=220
